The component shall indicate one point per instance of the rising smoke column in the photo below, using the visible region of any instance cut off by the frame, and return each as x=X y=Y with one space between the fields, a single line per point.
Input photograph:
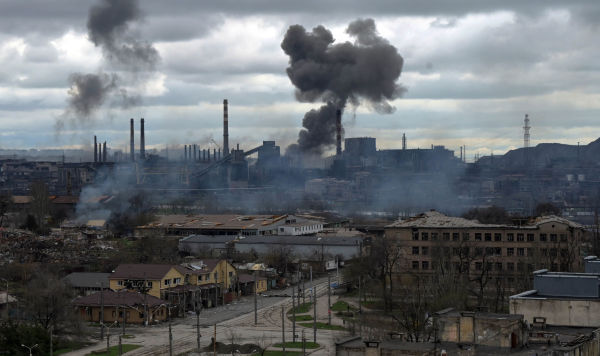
x=364 y=72
x=109 y=28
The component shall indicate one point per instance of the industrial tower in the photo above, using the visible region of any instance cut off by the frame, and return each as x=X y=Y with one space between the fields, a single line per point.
x=526 y=128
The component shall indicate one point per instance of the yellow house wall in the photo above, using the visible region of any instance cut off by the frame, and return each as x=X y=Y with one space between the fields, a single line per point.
x=261 y=285
x=157 y=284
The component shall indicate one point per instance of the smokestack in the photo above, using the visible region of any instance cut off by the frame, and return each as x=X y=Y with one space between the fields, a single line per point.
x=95 y=150
x=219 y=154
x=185 y=152
x=338 y=132
x=403 y=141
x=131 y=141
x=225 y=128
x=142 y=140
x=104 y=152
x=195 y=152
x=214 y=153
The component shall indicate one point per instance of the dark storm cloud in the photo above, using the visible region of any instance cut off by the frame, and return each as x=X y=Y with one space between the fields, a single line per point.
x=337 y=73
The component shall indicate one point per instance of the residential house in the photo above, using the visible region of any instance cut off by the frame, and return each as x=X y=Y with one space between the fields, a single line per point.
x=247 y=286
x=154 y=279
x=122 y=306
x=86 y=283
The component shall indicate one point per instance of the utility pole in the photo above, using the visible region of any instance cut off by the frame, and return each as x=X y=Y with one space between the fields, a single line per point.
x=303 y=290
x=283 y=327
x=102 y=312
x=170 y=333
x=51 y=349
x=198 y=323
x=314 y=292
x=303 y=343
x=215 y=342
x=293 y=314
x=329 y=299
x=255 y=304
x=120 y=345
x=359 y=295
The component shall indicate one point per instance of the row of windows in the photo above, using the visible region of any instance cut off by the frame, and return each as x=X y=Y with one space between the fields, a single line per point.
x=490 y=251
x=478 y=236
x=490 y=266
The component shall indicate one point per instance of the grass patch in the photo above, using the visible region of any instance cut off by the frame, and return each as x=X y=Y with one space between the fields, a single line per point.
x=323 y=326
x=300 y=309
x=302 y=317
x=127 y=336
x=298 y=345
x=114 y=350
x=341 y=306
x=280 y=353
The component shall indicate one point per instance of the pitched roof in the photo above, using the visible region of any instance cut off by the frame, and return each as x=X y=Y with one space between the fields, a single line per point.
x=248 y=278
x=65 y=199
x=141 y=271
x=112 y=298
x=201 y=266
x=87 y=279
x=435 y=219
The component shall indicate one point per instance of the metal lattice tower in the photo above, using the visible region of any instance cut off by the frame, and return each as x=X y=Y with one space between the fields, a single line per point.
x=526 y=128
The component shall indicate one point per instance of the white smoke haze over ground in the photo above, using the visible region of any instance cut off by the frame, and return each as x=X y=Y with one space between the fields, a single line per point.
x=472 y=70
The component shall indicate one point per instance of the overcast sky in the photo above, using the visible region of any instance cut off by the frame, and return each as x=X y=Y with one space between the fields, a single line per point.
x=472 y=70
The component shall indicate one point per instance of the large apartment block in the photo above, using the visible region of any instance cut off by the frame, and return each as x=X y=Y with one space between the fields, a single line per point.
x=430 y=239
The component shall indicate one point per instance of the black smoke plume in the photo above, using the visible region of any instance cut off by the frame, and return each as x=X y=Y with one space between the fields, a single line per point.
x=109 y=28
x=365 y=72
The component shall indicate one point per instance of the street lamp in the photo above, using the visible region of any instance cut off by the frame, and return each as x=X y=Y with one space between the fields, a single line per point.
x=30 y=348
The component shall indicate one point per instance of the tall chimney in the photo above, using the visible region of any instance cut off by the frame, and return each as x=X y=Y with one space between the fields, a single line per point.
x=95 y=150
x=99 y=152
x=131 y=141
x=195 y=147
x=403 y=141
x=338 y=132
x=104 y=152
x=142 y=140
x=185 y=152
x=225 y=128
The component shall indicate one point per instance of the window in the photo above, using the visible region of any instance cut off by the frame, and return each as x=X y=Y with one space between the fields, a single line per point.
x=208 y=277
x=434 y=236
x=553 y=237
x=177 y=281
x=510 y=266
x=119 y=283
x=488 y=236
x=425 y=265
x=510 y=251
x=564 y=252
x=510 y=237
x=498 y=266
x=544 y=251
x=230 y=274
x=216 y=276
x=497 y=251
x=520 y=251
x=446 y=236
x=520 y=266
x=488 y=266
x=543 y=237
x=520 y=237
x=553 y=252
x=497 y=237
x=167 y=282
x=149 y=284
x=530 y=237
x=478 y=251
x=415 y=250
x=563 y=238
x=489 y=251
x=465 y=236
x=455 y=236
x=477 y=236
x=415 y=264
x=424 y=236
x=530 y=267
x=456 y=251
x=415 y=235
x=424 y=250
x=200 y=277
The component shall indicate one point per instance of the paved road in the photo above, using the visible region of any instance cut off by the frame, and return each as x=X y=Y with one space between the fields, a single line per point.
x=235 y=320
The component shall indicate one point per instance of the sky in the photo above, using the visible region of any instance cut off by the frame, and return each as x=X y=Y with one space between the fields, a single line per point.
x=472 y=70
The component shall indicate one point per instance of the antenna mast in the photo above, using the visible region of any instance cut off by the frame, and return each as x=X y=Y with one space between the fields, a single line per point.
x=526 y=128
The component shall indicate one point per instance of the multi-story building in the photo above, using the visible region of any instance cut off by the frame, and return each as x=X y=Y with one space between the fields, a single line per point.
x=432 y=240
